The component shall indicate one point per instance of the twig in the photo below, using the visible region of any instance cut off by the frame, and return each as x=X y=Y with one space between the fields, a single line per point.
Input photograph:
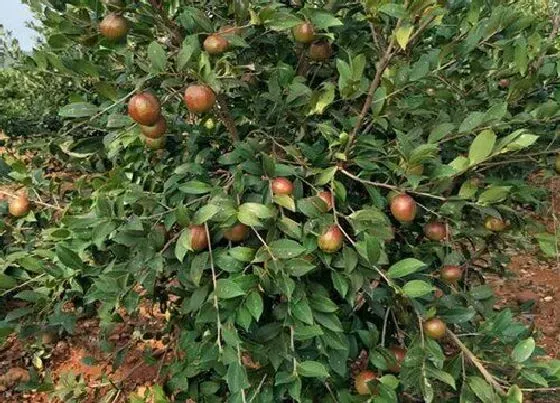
x=22 y=284
x=215 y=286
x=227 y=120
x=51 y=206
x=384 y=332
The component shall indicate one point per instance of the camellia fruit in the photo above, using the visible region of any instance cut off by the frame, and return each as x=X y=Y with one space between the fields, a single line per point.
x=113 y=27
x=155 y=131
x=434 y=328
x=199 y=240
x=400 y=354
x=362 y=383
x=403 y=207
x=331 y=240
x=199 y=98
x=215 y=44
x=237 y=233
x=494 y=224
x=451 y=274
x=320 y=51
x=503 y=83
x=435 y=231
x=144 y=108
x=19 y=206
x=304 y=33
x=327 y=197
x=282 y=186
x=154 y=144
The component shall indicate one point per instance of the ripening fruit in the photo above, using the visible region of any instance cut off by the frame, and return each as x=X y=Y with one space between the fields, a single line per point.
x=327 y=197
x=451 y=274
x=154 y=144
x=331 y=240
x=430 y=92
x=438 y=293
x=155 y=131
x=503 y=83
x=113 y=27
x=304 y=33
x=434 y=328
x=435 y=231
x=19 y=206
x=144 y=108
x=282 y=186
x=320 y=51
x=237 y=233
x=362 y=383
x=400 y=354
x=494 y=224
x=215 y=44
x=557 y=164
x=199 y=98
x=403 y=207
x=199 y=240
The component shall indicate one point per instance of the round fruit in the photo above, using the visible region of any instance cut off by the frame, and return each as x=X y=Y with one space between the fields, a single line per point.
x=155 y=131
x=434 y=328
x=362 y=383
x=320 y=51
x=435 y=231
x=327 y=197
x=199 y=240
x=282 y=186
x=331 y=240
x=304 y=33
x=557 y=164
x=19 y=206
x=155 y=144
x=199 y=98
x=503 y=83
x=237 y=233
x=438 y=293
x=113 y=27
x=215 y=44
x=430 y=92
x=400 y=354
x=451 y=274
x=403 y=208
x=144 y=108
x=494 y=224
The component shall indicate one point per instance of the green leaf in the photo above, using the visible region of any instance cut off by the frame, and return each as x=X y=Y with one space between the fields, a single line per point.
x=405 y=267
x=254 y=304
x=6 y=281
x=198 y=264
x=69 y=258
x=440 y=131
x=514 y=395
x=181 y=245
x=189 y=48
x=286 y=201
x=326 y=176
x=441 y=376
x=523 y=350
x=243 y=254
x=340 y=283
x=157 y=56
x=323 y=20
x=205 y=213
x=195 y=187
x=312 y=369
x=494 y=194
x=393 y=10
x=226 y=289
x=481 y=147
x=472 y=121
x=286 y=248
x=534 y=377
x=237 y=377
x=521 y=58
x=320 y=100
x=417 y=288
x=403 y=34
x=78 y=110
x=481 y=389
x=251 y=214
x=302 y=311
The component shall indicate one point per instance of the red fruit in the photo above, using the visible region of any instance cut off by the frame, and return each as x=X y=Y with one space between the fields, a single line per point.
x=199 y=98
x=503 y=83
x=237 y=233
x=155 y=131
x=400 y=354
x=320 y=51
x=113 y=27
x=403 y=207
x=435 y=328
x=327 y=197
x=19 y=206
x=144 y=108
x=435 y=231
x=494 y=224
x=331 y=240
x=215 y=44
x=282 y=186
x=199 y=240
x=154 y=144
x=451 y=274
x=304 y=33
x=363 y=385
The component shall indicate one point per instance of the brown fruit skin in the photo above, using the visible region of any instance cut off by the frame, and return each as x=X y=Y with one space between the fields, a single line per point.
x=435 y=328
x=451 y=274
x=327 y=197
x=400 y=354
x=304 y=33
x=199 y=240
x=144 y=108
x=156 y=131
x=361 y=383
x=403 y=208
x=503 y=83
x=113 y=27
x=199 y=98
x=239 y=232
x=215 y=44
x=331 y=240
x=19 y=206
x=435 y=231
x=282 y=186
x=320 y=51
x=557 y=164
x=494 y=224
x=155 y=144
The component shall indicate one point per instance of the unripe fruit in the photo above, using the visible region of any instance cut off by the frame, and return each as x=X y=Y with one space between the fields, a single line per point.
x=282 y=186
x=557 y=164
x=494 y=224
x=144 y=108
x=434 y=328
x=154 y=144
x=19 y=206
x=362 y=383
x=199 y=240
x=400 y=354
x=327 y=197
x=331 y=240
x=199 y=98
x=155 y=131
x=430 y=92
x=435 y=231
x=503 y=83
x=320 y=51
x=403 y=208
x=237 y=233
x=113 y=27
x=304 y=33
x=215 y=44
x=451 y=274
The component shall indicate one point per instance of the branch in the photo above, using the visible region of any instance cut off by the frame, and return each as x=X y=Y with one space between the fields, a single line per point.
x=227 y=120
x=551 y=36
x=215 y=288
x=40 y=203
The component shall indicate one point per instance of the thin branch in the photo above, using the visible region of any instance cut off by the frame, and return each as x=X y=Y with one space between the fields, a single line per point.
x=215 y=287
x=227 y=120
x=38 y=202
